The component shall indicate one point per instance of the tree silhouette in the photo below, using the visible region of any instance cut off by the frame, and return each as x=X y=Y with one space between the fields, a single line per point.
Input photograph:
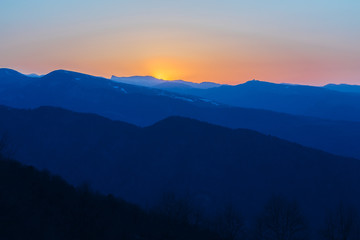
x=175 y=208
x=37 y=205
x=229 y=224
x=280 y=220
x=342 y=224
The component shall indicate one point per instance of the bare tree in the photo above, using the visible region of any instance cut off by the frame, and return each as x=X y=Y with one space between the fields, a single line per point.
x=229 y=224
x=280 y=220
x=175 y=208
x=341 y=224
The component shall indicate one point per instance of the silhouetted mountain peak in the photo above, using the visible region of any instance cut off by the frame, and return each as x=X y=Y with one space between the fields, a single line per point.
x=66 y=74
x=258 y=83
x=183 y=125
x=280 y=88
x=34 y=75
x=7 y=72
x=209 y=84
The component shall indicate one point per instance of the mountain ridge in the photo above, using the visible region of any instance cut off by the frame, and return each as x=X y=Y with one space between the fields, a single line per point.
x=180 y=155
x=43 y=206
x=144 y=106
x=150 y=81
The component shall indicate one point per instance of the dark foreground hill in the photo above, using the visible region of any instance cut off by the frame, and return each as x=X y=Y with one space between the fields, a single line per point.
x=37 y=205
x=145 y=106
x=212 y=164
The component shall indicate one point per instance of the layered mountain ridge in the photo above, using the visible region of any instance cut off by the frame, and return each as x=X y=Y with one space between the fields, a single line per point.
x=212 y=164
x=144 y=106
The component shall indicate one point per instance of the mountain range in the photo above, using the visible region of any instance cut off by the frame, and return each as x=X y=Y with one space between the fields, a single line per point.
x=212 y=164
x=335 y=102
x=145 y=106
x=149 y=81
x=343 y=87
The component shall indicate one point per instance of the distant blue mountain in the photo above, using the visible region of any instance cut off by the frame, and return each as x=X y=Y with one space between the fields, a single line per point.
x=148 y=81
x=329 y=102
x=211 y=164
x=337 y=102
x=144 y=106
x=34 y=75
x=145 y=81
x=344 y=88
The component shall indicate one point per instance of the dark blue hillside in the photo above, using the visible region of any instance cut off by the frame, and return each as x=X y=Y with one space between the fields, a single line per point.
x=212 y=164
x=37 y=205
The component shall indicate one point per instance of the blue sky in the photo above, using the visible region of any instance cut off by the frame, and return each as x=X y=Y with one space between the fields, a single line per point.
x=312 y=42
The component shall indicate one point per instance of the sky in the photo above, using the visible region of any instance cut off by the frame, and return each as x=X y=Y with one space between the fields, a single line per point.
x=229 y=41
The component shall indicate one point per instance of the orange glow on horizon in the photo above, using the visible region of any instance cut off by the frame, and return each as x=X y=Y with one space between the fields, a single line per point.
x=228 y=43
x=166 y=69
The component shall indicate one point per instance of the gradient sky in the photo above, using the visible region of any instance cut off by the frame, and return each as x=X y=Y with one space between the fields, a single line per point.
x=228 y=41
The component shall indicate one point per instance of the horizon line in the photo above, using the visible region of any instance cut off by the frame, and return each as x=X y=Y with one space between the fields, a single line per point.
x=171 y=80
